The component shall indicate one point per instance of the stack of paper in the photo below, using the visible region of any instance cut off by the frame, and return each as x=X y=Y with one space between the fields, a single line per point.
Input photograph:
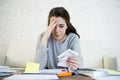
x=112 y=75
x=93 y=72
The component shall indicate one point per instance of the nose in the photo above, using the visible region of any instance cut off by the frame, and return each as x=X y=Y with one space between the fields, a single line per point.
x=57 y=29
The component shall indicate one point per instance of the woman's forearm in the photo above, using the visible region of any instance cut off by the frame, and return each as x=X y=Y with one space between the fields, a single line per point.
x=41 y=56
x=45 y=37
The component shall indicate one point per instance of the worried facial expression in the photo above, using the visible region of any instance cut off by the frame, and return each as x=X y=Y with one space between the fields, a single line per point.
x=60 y=29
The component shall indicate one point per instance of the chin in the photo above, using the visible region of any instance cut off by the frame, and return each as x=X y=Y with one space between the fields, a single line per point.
x=57 y=38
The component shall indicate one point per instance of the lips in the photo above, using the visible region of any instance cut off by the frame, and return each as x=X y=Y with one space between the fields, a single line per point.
x=57 y=34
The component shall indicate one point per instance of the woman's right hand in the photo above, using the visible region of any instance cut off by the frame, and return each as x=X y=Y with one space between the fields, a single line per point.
x=52 y=25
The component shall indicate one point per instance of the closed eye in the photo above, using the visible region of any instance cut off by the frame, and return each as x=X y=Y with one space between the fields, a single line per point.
x=61 y=25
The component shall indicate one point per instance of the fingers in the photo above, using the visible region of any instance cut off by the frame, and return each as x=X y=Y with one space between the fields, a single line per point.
x=53 y=20
x=73 y=63
x=73 y=60
x=52 y=24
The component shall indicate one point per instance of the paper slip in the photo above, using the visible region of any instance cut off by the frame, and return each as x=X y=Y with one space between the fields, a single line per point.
x=32 y=77
x=113 y=73
x=32 y=67
x=64 y=56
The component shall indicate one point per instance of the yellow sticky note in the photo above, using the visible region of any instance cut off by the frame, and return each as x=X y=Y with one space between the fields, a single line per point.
x=112 y=72
x=32 y=67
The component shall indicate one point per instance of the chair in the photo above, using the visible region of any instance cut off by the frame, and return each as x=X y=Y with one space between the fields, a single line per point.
x=20 y=52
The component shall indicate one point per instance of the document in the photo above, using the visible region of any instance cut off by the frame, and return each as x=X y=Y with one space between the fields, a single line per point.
x=52 y=71
x=64 y=56
x=32 y=77
x=45 y=74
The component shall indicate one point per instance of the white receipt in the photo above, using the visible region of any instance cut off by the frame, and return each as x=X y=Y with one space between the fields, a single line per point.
x=64 y=56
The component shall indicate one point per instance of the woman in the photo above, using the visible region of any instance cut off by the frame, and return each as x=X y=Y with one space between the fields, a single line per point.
x=59 y=36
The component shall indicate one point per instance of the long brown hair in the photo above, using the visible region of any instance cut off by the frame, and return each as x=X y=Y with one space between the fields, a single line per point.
x=62 y=12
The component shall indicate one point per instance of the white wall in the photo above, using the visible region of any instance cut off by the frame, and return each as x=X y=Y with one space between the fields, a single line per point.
x=97 y=21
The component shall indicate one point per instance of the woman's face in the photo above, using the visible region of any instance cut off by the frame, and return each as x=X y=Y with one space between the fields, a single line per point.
x=60 y=29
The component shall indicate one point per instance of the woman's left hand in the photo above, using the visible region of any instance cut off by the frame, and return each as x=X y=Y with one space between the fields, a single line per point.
x=73 y=63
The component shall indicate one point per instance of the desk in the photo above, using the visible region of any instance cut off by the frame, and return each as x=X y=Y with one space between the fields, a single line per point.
x=75 y=77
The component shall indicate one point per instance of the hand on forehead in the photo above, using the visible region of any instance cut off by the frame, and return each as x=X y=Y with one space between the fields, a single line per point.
x=58 y=20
